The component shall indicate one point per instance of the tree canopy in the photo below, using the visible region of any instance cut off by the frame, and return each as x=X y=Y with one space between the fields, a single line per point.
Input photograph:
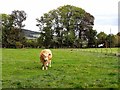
x=65 y=26
x=12 y=28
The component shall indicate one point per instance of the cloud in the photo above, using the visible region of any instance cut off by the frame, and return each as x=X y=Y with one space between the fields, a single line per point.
x=106 y=28
x=104 y=11
x=106 y=20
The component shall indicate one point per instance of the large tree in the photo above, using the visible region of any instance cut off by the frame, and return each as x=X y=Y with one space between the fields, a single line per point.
x=12 y=28
x=65 y=25
x=19 y=17
x=101 y=38
x=91 y=38
x=118 y=39
x=111 y=40
x=7 y=25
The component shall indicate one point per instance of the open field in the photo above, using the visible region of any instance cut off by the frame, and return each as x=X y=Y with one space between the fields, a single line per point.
x=71 y=68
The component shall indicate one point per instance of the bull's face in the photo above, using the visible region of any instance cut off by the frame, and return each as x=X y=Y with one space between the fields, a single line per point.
x=46 y=56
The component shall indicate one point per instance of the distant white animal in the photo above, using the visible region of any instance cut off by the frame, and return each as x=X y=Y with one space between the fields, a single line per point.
x=100 y=45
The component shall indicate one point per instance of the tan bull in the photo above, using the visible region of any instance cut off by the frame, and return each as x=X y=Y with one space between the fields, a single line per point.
x=45 y=58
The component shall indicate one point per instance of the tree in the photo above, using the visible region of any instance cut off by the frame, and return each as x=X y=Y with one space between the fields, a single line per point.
x=117 y=40
x=19 y=17
x=11 y=28
x=101 y=38
x=31 y=43
x=7 y=25
x=118 y=33
x=91 y=38
x=67 y=23
x=111 y=40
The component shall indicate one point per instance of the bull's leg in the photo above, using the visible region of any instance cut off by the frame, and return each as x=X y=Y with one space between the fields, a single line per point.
x=46 y=64
x=43 y=67
x=50 y=63
x=46 y=67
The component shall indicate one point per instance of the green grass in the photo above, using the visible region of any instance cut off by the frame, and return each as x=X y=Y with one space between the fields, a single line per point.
x=103 y=50
x=71 y=68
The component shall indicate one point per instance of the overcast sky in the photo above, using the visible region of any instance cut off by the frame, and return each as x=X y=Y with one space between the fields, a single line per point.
x=104 y=11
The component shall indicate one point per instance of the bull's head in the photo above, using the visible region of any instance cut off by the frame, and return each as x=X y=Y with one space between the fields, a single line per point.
x=46 y=56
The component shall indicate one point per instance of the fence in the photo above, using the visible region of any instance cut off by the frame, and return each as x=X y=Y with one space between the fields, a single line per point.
x=112 y=51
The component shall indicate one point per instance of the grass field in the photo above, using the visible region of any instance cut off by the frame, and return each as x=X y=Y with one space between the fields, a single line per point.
x=71 y=68
x=102 y=50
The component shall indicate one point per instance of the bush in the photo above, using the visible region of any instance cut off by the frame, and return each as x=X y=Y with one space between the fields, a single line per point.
x=18 y=45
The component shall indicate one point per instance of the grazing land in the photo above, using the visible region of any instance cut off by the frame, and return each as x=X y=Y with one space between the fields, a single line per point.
x=71 y=68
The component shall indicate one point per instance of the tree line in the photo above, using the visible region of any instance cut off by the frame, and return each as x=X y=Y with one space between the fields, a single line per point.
x=65 y=27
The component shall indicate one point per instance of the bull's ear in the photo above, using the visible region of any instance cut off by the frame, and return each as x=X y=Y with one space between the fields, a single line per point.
x=42 y=54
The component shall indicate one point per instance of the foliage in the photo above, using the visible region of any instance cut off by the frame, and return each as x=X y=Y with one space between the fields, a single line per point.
x=11 y=28
x=111 y=40
x=66 y=25
x=19 y=17
x=117 y=37
x=31 y=43
x=7 y=23
x=101 y=38
x=18 y=45
x=92 y=38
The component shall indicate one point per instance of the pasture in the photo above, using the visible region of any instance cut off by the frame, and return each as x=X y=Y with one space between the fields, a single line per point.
x=71 y=68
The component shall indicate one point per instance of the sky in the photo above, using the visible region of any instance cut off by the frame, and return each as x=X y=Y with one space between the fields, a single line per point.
x=104 y=11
